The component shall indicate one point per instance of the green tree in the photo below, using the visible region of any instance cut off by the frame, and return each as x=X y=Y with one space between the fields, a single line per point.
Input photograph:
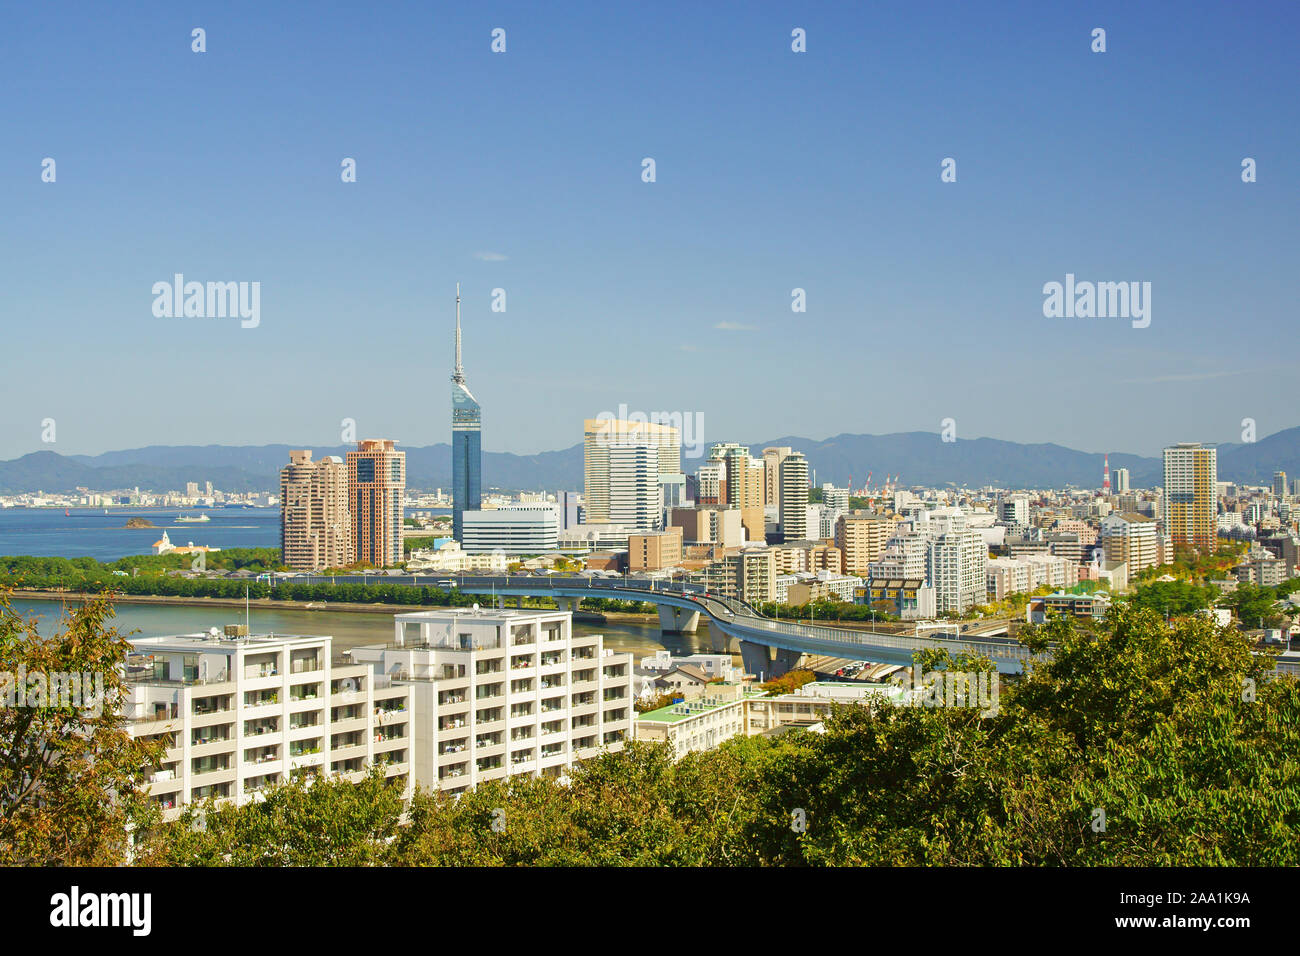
x=324 y=822
x=71 y=775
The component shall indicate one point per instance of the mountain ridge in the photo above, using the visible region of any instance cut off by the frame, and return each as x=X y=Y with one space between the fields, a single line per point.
x=919 y=458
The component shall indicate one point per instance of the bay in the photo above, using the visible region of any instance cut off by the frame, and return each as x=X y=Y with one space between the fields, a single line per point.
x=349 y=629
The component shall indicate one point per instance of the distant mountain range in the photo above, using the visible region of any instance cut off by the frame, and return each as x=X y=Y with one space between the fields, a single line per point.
x=920 y=458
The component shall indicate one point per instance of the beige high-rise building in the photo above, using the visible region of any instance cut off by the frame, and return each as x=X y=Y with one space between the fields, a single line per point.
x=654 y=551
x=748 y=574
x=772 y=458
x=745 y=483
x=315 y=524
x=861 y=537
x=1191 y=475
x=1131 y=538
x=709 y=524
x=794 y=498
x=376 y=490
x=601 y=434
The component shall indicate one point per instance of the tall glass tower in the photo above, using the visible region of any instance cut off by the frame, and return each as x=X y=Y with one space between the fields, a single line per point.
x=466 y=452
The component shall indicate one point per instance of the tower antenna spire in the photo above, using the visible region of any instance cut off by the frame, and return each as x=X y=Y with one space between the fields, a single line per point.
x=458 y=376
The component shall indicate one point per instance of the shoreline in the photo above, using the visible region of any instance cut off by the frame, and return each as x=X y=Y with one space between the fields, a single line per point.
x=347 y=606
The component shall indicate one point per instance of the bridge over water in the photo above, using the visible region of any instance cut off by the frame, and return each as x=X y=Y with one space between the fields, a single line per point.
x=768 y=647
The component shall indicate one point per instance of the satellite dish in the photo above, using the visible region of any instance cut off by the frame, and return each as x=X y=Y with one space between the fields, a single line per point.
x=476 y=607
x=213 y=632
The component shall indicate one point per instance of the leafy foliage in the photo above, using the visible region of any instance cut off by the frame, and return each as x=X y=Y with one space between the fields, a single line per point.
x=71 y=776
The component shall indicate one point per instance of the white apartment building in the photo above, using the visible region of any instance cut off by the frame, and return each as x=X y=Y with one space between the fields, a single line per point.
x=835 y=499
x=957 y=567
x=1131 y=538
x=794 y=497
x=1028 y=573
x=513 y=529
x=451 y=557
x=239 y=713
x=937 y=546
x=502 y=692
x=1014 y=510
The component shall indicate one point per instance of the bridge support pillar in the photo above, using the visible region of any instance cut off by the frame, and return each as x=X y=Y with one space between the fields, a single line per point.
x=676 y=620
x=718 y=641
x=784 y=661
x=569 y=604
x=767 y=663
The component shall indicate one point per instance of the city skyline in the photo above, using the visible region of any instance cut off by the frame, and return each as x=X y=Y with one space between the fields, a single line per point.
x=664 y=294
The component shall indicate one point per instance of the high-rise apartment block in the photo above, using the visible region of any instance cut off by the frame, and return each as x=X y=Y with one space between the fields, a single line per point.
x=376 y=491
x=1191 y=473
x=238 y=713
x=745 y=482
x=861 y=537
x=772 y=458
x=1131 y=538
x=794 y=497
x=315 y=523
x=503 y=692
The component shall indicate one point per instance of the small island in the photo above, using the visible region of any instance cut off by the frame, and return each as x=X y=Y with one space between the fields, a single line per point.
x=140 y=523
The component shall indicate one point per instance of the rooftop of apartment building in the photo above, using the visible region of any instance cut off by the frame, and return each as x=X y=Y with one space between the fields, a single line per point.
x=700 y=705
x=213 y=640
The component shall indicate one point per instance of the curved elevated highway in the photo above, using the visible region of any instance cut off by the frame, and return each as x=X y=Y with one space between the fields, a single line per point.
x=768 y=647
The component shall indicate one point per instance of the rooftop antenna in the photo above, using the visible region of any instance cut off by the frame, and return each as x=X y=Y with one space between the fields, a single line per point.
x=246 y=609
x=458 y=376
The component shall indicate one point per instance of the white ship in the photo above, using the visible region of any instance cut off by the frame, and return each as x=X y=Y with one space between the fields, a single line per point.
x=188 y=519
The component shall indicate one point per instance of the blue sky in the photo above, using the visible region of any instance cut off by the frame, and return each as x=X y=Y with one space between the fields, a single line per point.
x=522 y=171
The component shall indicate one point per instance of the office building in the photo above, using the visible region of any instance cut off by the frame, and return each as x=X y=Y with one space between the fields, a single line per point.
x=498 y=693
x=1279 y=484
x=516 y=529
x=604 y=434
x=654 y=551
x=633 y=486
x=315 y=524
x=709 y=524
x=711 y=483
x=239 y=713
x=1191 y=475
x=794 y=497
x=1120 y=480
x=376 y=490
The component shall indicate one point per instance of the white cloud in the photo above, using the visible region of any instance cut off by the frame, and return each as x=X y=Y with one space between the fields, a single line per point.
x=735 y=327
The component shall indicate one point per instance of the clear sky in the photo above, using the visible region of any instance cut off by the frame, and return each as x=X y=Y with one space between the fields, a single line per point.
x=523 y=171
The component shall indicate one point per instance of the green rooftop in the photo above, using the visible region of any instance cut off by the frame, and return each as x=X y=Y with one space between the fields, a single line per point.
x=675 y=712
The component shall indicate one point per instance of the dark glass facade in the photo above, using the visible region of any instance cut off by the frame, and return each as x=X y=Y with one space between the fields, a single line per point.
x=466 y=455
